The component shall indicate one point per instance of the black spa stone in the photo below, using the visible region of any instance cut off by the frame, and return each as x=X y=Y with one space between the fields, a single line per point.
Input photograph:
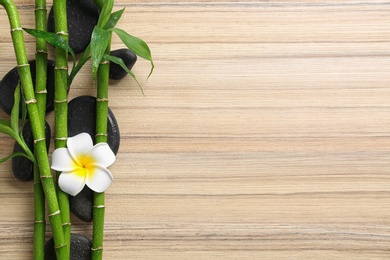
x=128 y=57
x=82 y=16
x=81 y=205
x=23 y=168
x=11 y=79
x=80 y=248
x=82 y=118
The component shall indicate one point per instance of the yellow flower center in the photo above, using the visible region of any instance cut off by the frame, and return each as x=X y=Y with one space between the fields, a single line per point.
x=84 y=165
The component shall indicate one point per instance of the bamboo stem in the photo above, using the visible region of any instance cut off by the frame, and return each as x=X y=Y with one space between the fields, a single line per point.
x=61 y=106
x=37 y=129
x=40 y=93
x=101 y=136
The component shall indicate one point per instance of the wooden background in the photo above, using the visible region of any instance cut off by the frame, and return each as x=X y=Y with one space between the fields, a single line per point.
x=263 y=134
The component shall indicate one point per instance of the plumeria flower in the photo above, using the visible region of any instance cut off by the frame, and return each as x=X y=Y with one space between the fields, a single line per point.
x=82 y=163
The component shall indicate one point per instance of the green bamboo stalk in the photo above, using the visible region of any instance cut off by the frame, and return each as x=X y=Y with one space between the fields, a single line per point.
x=40 y=94
x=61 y=106
x=39 y=217
x=37 y=128
x=101 y=136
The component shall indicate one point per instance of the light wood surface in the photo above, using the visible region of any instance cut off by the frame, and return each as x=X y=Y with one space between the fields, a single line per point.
x=263 y=134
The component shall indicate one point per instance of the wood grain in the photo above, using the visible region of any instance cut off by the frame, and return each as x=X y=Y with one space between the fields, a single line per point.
x=263 y=134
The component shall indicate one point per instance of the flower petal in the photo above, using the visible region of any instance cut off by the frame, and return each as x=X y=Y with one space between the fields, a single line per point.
x=103 y=155
x=71 y=183
x=79 y=144
x=100 y=179
x=61 y=160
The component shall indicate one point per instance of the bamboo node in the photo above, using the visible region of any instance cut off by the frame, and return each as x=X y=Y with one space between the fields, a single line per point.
x=37 y=182
x=41 y=91
x=61 y=138
x=39 y=140
x=54 y=213
x=102 y=99
x=61 y=68
x=105 y=62
x=41 y=51
x=99 y=206
x=46 y=177
x=40 y=9
x=101 y=134
x=60 y=101
x=16 y=29
x=97 y=248
x=62 y=33
x=30 y=101
x=62 y=245
x=66 y=224
x=39 y=221
x=23 y=65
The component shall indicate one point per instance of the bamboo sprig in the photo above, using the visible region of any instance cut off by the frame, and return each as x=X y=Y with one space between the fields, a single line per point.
x=37 y=128
x=101 y=129
x=40 y=94
x=101 y=136
x=61 y=106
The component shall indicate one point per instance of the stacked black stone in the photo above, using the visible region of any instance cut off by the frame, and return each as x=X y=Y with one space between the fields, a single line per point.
x=11 y=80
x=128 y=57
x=80 y=248
x=23 y=168
x=82 y=16
x=82 y=119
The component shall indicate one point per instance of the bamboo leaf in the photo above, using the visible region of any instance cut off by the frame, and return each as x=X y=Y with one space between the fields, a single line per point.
x=138 y=46
x=4 y=122
x=15 y=110
x=14 y=155
x=24 y=107
x=120 y=62
x=52 y=38
x=99 y=41
x=6 y=129
x=114 y=18
x=105 y=13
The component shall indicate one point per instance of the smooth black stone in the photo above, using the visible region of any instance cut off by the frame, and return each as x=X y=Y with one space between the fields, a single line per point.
x=23 y=168
x=82 y=118
x=11 y=79
x=81 y=205
x=128 y=57
x=80 y=248
x=82 y=16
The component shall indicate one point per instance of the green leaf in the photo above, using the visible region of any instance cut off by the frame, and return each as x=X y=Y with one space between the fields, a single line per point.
x=120 y=62
x=24 y=107
x=52 y=38
x=6 y=129
x=14 y=155
x=114 y=18
x=15 y=110
x=4 y=123
x=138 y=46
x=99 y=41
x=105 y=13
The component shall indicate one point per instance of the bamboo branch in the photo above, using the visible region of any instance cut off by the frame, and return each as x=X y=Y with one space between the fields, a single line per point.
x=61 y=106
x=40 y=93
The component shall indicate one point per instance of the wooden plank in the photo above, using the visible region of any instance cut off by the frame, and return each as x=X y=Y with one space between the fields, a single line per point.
x=263 y=134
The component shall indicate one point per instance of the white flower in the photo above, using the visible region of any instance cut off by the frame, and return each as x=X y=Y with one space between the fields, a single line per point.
x=82 y=163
